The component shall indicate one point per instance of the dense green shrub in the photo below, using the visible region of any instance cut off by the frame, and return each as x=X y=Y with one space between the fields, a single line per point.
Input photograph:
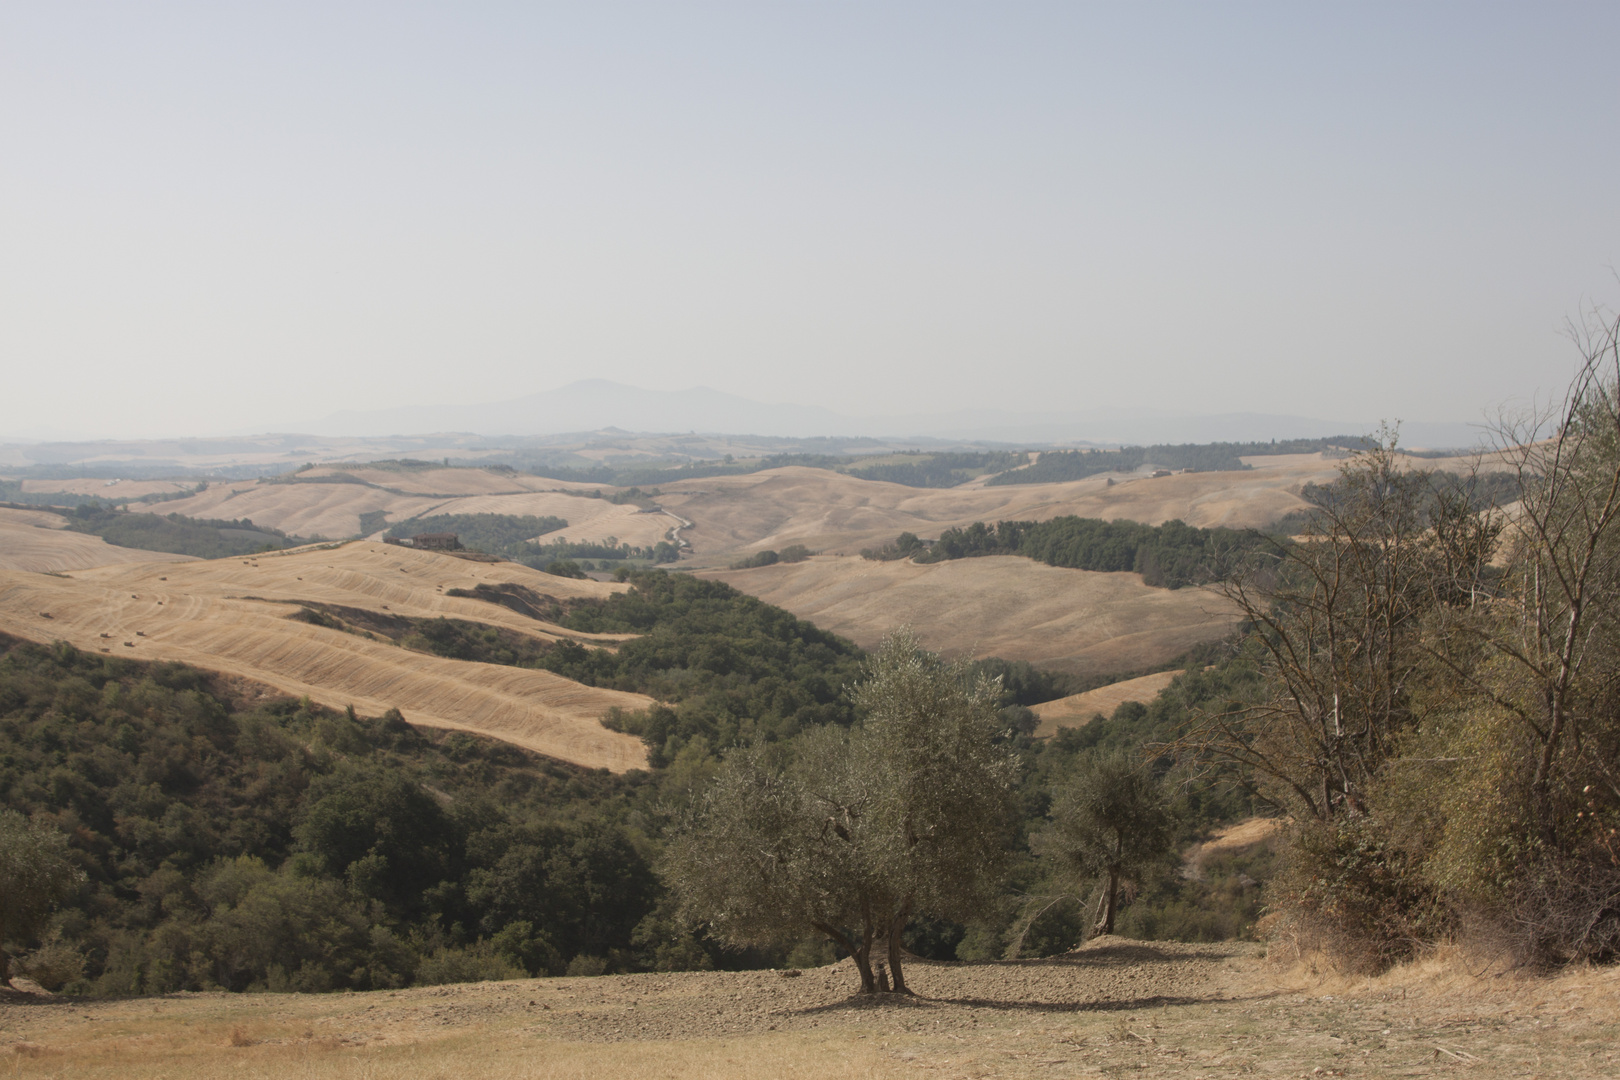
x=176 y=534
x=1168 y=556
x=495 y=534
x=286 y=846
x=1056 y=466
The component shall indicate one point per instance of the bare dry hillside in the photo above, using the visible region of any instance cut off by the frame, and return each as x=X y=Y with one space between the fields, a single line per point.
x=1111 y=1008
x=1070 y=620
x=322 y=504
x=232 y=615
x=36 y=540
x=94 y=487
x=1079 y=709
x=828 y=511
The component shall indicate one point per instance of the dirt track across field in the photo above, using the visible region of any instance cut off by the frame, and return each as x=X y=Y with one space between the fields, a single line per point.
x=1111 y=1008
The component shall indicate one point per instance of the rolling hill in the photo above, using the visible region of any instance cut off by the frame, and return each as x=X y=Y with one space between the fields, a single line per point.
x=38 y=541
x=330 y=502
x=1068 y=620
x=1076 y=710
x=840 y=514
x=234 y=616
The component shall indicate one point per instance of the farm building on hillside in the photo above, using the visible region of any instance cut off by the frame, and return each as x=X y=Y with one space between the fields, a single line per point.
x=437 y=541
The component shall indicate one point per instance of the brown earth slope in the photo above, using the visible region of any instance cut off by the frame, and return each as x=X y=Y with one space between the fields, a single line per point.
x=232 y=615
x=1111 y=1008
x=1069 y=620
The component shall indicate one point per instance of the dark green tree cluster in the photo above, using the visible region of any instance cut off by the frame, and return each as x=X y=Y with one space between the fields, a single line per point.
x=511 y=536
x=941 y=470
x=793 y=553
x=176 y=534
x=729 y=668
x=507 y=535
x=1167 y=556
x=287 y=846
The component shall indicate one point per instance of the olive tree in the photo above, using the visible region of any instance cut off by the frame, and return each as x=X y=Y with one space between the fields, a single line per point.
x=853 y=833
x=1111 y=820
x=36 y=874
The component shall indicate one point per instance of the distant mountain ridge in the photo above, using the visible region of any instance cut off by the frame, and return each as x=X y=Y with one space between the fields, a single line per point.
x=595 y=404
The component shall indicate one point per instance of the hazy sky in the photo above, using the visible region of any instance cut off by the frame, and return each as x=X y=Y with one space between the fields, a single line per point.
x=227 y=217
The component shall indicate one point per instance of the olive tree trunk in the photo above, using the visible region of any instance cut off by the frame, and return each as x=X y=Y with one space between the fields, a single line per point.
x=1108 y=905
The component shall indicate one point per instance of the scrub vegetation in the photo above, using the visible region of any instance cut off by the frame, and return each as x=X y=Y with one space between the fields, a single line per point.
x=1167 y=556
x=1422 y=699
x=175 y=533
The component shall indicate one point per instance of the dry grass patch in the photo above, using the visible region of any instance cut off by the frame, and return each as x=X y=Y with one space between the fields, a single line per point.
x=334 y=509
x=832 y=512
x=1078 y=710
x=37 y=541
x=1112 y=1008
x=1004 y=605
x=95 y=487
x=232 y=616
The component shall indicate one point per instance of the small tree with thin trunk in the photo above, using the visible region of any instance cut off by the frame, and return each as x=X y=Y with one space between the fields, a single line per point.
x=1110 y=820
x=852 y=834
x=36 y=874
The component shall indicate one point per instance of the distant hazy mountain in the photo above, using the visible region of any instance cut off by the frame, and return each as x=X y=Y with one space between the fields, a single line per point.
x=593 y=404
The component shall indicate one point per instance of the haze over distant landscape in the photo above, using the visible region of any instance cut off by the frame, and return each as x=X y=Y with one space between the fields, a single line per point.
x=721 y=540
x=947 y=220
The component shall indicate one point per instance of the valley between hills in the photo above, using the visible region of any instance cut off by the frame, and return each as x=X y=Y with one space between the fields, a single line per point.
x=334 y=613
x=1076 y=621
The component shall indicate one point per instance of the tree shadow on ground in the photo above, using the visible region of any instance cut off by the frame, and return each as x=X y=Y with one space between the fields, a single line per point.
x=1095 y=958
x=1114 y=954
x=1111 y=1005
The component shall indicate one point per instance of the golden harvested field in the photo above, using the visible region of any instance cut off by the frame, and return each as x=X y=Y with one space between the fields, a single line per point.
x=333 y=510
x=107 y=489
x=35 y=540
x=588 y=519
x=840 y=514
x=830 y=512
x=1078 y=710
x=1240 y=836
x=1069 y=620
x=231 y=615
x=1113 y=1007
x=316 y=510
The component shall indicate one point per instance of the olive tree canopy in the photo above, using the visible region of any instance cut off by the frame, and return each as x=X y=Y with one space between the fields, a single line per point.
x=36 y=874
x=1110 y=819
x=852 y=834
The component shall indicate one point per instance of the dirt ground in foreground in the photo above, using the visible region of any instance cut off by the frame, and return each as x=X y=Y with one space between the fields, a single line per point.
x=1112 y=1008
